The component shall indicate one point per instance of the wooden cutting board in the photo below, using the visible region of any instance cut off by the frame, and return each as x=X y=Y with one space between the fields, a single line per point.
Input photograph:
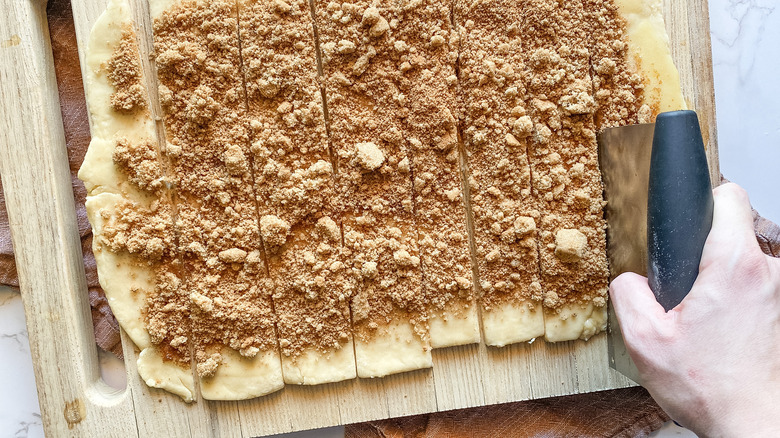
x=74 y=400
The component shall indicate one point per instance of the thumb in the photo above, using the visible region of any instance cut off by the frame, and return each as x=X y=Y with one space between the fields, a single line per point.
x=732 y=221
x=635 y=305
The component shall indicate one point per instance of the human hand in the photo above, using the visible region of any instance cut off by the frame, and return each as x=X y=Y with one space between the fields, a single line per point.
x=713 y=362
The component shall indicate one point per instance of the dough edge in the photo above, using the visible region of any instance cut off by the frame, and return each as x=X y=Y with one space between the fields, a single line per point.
x=395 y=348
x=313 y=367
x=454 y=329
x=241 y=378
x=574 y=321
x=512 y=322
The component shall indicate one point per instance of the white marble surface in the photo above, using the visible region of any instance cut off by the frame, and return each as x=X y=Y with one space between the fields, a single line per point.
x=745 y=41
x=746 y=60
x=19 y=412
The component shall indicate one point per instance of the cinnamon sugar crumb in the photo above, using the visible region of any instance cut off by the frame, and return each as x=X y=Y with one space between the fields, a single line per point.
x=274 y=231
x=140 y=163
x=145 y=232
x=570 y=245
x=124 y=73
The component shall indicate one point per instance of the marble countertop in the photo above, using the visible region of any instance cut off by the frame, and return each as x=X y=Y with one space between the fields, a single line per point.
x=745 y=37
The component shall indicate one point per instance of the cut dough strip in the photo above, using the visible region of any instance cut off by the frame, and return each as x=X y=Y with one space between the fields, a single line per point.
x=564 y=166
x=294 y=185
x=495 y=135
x=311 y=301
x=201 y=93
x=431 y=130
x=374 y=184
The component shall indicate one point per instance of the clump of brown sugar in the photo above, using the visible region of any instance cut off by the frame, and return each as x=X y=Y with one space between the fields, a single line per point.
x=145 y=232
x=124 y=72
x=140 y=163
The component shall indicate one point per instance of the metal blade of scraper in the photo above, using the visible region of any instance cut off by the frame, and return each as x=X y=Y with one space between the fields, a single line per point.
x=624 y=158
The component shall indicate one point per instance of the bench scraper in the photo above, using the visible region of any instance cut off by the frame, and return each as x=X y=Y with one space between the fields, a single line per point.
x=659 y=210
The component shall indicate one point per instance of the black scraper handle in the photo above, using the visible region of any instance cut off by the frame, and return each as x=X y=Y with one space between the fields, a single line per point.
x=679 y=206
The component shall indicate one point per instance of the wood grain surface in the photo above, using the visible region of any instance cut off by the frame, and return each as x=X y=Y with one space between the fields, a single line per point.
x=73 y=399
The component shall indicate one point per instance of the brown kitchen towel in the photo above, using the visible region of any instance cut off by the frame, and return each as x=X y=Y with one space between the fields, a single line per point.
x=767 y=232
x=624 y=412
x=8 y=275
x=768 y=235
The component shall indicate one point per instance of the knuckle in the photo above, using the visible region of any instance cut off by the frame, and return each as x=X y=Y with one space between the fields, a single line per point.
x=731 y=189
x=753 y=267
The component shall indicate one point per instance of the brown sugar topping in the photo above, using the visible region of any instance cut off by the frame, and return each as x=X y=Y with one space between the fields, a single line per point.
x=275 y=230
x=124 y=72
x=139 y=162
x=145 y=232
x=294 y=178
x=202 y=93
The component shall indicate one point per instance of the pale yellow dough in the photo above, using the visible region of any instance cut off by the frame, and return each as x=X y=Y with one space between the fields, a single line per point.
x=511 y=323
x=118 y=275
x=241 y=378
x=314 y=368
x=98 y=171
x=649 y=53
x=575 y=322
x=394 y=349
x=157 y=373
x=451 y=330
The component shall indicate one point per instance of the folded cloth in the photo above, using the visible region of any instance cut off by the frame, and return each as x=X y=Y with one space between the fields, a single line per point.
x=8 y=276
x=616 y=413
x=626 y=412
x=768 y=235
